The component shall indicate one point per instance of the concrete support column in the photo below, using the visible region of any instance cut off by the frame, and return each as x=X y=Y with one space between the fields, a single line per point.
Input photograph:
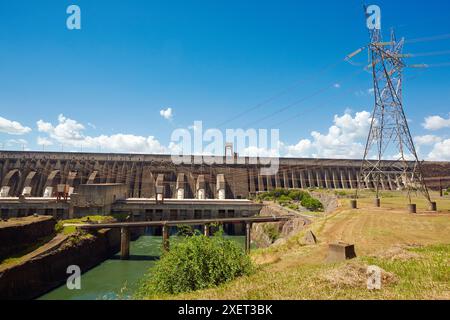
x=201 y=187
x=286 y=180
x=165 y=235
x=277 y=181
x=310 y=179
x=261 y=183
x=124 y=243
x=391 y=186
x=294 y=180
x=350 y=179
x=397 y=182
x=335 y=181
x=220 y=185
x=248 y=228
x=302 y=180
x=358 y=180
x=344 y=183
x=180 y=186
x=269 y=183
x=327 y=179
x=383 y=184
x=319 y=179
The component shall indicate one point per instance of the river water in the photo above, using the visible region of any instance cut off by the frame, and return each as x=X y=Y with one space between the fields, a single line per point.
x=115 y=278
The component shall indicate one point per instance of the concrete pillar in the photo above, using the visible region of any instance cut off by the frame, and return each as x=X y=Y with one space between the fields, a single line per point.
x=248 y=228
x=350 y=179
x=260 y=183
x=335 y=181
x=124 y=243
x=327 y=179
x=180 y=186
x=391 y=186
x=165 y=235
x=270 y=185
x=343 y=181
x=277 y=181
x=220 y=185
x=383 y=184
x=302 y=180
x=294 y=180
x=310 y=179
x=319 y=179
x=397 y=183
x=358 y=180
x=200 y=187
x=286 y=180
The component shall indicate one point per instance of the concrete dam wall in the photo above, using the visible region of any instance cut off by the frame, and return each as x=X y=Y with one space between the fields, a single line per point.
x=37 y=174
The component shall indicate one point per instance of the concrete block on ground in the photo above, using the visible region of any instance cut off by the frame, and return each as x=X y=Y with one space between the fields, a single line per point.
x=340 y=251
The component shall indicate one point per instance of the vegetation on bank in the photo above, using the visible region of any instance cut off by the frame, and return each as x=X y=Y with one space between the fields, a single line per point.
x=292 y=199
x=413 y=251
x=60 y=228
x=195 y=263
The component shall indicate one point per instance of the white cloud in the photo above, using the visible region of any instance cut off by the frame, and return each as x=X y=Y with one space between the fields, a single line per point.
x=166 y=114
x=337 y=85
x=15 y=142
x=436 y=123
x=12 y=127
x=343 y=140
x=427 y=140
x=441 y=151
x=43 y=142
x=302 y=148
x=69 y=133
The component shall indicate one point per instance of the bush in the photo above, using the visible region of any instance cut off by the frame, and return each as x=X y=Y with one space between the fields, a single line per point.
x=312 y=204
x=196 y=263
x=185 y=230
x=298 y=195
x=272 y=231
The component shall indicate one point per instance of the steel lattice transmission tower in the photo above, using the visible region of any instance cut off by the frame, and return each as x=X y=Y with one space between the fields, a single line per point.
x=389 y=130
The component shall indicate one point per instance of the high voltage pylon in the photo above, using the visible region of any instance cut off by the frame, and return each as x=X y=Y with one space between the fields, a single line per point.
x=389 y=130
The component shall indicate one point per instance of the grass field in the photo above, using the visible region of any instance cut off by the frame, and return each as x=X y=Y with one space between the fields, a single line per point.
x=414 y=250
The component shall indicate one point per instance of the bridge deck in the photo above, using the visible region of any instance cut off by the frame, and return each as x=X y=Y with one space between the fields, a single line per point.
x=180 y=222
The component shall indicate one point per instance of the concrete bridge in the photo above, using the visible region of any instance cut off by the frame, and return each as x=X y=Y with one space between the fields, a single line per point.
x=205 y=223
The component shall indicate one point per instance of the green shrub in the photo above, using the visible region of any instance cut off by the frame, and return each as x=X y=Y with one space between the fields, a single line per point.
x=272 y=231
x=293 y=206
x=284 y=200
x=298 y=195
x=196 y=263
x=448 y=190
x=312 y=204
x=185 y=230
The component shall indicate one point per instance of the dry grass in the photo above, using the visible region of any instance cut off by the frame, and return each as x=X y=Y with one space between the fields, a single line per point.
x=414 y=251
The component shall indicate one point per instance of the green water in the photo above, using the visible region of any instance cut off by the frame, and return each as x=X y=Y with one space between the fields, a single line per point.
x=115 y=278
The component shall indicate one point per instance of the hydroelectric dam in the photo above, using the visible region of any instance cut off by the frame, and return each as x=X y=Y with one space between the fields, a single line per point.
x=155 y=187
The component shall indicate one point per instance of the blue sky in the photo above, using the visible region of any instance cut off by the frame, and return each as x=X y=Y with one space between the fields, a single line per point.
x=210 y=61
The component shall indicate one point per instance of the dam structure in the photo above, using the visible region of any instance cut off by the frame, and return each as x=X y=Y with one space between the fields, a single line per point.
x=156 y=185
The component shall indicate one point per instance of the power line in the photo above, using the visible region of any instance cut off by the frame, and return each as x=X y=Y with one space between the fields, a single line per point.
x=281 y=93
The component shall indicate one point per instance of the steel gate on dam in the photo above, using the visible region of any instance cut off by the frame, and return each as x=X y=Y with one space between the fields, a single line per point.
x=36 y=174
